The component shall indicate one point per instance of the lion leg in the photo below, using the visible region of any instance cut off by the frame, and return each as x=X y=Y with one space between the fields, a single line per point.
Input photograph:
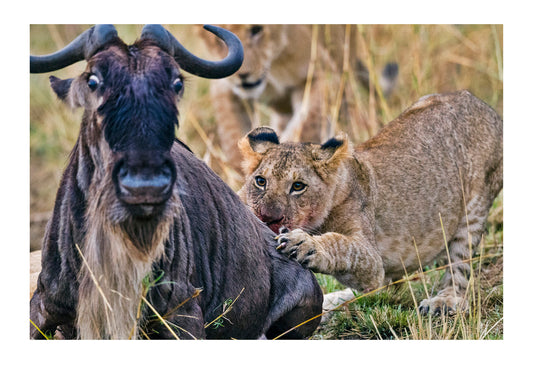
x=233 y=121
x=353 y=260
x=451 y=298
x=334 y=299
x=307 y=124
x=279 y=121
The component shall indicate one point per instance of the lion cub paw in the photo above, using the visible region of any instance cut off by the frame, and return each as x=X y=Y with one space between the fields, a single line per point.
x=447 y=304
x=300 y=246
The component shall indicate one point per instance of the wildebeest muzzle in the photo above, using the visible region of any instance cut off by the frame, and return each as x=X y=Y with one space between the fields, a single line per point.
x=144 y=178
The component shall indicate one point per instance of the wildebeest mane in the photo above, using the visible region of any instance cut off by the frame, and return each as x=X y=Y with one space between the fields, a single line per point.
x=141 y=225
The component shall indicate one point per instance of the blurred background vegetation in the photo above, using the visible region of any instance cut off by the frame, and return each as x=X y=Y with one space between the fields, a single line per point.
x=431 y=59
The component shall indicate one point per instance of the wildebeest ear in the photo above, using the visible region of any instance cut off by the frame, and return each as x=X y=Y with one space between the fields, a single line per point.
x=254 y=145
x=333 y=152
x=60 y=87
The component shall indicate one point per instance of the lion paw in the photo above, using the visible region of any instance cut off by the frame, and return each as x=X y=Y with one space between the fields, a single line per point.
x=299 y=246
x=447 y=304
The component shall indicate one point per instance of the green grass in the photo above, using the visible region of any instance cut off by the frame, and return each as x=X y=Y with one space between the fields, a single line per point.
x=432 y=58
x=391 y=312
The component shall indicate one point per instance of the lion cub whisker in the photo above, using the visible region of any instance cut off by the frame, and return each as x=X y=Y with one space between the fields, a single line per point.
x=363 y=206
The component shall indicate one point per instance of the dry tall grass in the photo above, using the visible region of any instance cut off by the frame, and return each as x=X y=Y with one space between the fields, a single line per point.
x=432 y=58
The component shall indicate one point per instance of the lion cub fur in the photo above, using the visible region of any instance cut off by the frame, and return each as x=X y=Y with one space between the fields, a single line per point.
x=275 y=73
x=369 y=213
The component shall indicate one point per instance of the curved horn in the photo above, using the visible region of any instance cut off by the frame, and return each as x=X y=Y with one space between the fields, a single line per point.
x=193 y=64
x=82 y=48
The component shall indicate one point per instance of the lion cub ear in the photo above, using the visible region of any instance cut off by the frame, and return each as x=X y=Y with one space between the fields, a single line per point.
x=254 y=145
x=333 y=152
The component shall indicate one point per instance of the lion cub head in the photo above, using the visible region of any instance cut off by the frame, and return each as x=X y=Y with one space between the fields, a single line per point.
x=291 y=184
x=262 y=45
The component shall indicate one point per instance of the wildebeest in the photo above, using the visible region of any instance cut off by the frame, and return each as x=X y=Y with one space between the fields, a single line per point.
x=145 y=241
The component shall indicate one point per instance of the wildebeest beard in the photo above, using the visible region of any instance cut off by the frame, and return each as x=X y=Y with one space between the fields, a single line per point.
x=119 y=249
x=118 y=255
x=123 y=240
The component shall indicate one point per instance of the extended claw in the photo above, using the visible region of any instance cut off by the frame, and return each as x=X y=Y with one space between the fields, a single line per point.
x=281 y=245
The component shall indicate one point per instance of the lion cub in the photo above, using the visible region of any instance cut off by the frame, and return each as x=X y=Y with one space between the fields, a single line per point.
x=356 y=213
x=275 y=73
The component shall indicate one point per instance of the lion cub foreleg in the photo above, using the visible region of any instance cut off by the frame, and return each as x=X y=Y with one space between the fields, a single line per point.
x=353 y=260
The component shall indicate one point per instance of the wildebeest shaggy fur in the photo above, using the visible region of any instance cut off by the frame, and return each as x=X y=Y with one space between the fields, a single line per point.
x=141 y=226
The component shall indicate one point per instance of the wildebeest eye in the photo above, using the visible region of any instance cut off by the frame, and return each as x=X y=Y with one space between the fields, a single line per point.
x=298 y=186
x=255 y=30
x=177 y=85
x=260 y=182
x=93 y=82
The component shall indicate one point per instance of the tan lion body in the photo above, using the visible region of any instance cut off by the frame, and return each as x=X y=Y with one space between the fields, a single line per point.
x=361 y=210
x=275 y=73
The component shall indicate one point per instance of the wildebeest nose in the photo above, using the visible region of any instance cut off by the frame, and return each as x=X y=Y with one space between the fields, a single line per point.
x=144 y=185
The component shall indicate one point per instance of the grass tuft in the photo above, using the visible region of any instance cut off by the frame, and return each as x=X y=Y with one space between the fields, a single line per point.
x=431 y=59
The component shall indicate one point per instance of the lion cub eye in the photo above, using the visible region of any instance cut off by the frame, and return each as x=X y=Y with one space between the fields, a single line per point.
x=298 y=186
x=260 y=182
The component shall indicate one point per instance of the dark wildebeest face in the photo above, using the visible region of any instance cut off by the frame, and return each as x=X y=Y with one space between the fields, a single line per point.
x=130 y=96
x=138 y=115
x=122 y=161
